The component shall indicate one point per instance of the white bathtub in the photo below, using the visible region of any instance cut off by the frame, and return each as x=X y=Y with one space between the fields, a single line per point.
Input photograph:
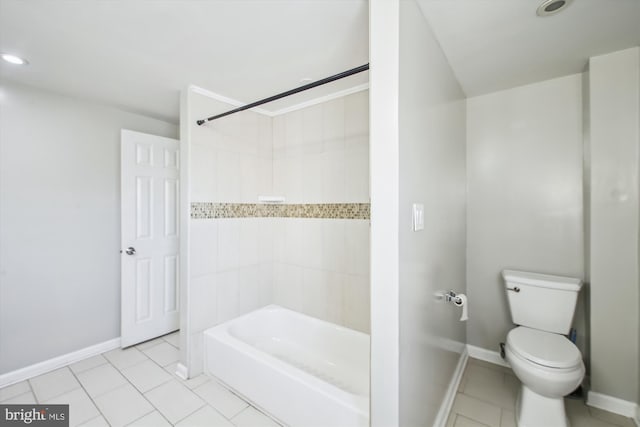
x=303 y=371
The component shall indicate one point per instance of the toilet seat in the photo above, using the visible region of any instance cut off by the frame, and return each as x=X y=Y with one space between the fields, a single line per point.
x=544 y=348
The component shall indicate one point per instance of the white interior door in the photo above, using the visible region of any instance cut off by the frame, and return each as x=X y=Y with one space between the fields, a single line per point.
x=150 y=241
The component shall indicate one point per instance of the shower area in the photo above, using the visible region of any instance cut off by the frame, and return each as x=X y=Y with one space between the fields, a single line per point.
x=276 y=208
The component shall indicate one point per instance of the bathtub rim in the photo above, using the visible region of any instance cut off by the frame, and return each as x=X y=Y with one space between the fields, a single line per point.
x=356 y=402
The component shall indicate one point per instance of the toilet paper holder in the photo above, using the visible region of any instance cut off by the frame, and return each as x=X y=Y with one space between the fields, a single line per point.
x=459 y=300
x=451 y=296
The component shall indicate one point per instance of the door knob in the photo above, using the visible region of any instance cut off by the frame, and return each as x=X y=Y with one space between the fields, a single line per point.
x=130 y=251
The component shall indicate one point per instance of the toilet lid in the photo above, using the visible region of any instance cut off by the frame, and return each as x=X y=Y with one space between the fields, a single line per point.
x=544 y=348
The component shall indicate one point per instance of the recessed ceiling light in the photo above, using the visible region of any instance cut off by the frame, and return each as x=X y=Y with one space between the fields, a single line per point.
x=13 y=59
x=551 y=7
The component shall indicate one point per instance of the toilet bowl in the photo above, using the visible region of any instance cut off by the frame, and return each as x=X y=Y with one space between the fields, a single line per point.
x=554 y=370
x=548 y=365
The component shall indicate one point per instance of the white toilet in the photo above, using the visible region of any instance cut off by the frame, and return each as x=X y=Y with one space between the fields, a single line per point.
x=546 y=362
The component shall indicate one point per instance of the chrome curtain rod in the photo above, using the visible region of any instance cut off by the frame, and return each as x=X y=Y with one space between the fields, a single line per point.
x=308 y=86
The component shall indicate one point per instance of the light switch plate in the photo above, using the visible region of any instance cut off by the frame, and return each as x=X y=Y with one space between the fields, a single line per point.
x=418 y=216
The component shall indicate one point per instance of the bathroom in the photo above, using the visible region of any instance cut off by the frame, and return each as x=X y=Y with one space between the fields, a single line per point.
x=518 y=164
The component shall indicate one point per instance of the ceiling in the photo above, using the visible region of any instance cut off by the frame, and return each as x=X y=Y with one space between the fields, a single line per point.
x=498 y=44
x=138 y=54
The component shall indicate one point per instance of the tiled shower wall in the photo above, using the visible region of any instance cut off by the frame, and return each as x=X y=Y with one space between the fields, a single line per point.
x=316 y=266
x=231 y=259
x=321 y=155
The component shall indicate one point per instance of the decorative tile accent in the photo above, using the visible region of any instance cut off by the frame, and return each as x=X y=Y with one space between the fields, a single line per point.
x=207 y=210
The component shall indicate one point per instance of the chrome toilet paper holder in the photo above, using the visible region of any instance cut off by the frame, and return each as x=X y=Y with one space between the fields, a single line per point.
x=451 y=296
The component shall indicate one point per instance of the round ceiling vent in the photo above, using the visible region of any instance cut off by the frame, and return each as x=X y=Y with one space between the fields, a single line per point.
x=551 y=7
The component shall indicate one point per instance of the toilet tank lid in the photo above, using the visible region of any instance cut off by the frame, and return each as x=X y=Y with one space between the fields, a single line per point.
x=542 y=280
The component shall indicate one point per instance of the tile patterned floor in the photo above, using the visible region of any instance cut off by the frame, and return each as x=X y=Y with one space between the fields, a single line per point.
x=487 y=397
x=137 y=387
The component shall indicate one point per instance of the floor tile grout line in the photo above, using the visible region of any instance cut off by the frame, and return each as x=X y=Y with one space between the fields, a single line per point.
x=32 y=390
x=172 y=378
x=136 y=388
x=217 y=410
x=186 y=416
x=149 y=413
x=89 y=396
x=486 y=401
x=38 y=401
x=132 y=385
x=92 y=399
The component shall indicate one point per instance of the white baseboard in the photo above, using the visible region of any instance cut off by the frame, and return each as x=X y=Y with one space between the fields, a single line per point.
x=57 y=362
x=182 y=372
x=447 y=402
x=637 y=417
x=613 y=404
x=486 y=355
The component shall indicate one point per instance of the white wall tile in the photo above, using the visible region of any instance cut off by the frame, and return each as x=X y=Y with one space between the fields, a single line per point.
x=357 y=246
x=266 y=295
x=357 y=174
x=204 y=308
x=228 y=243
x=334 y=244
x=294 y=233
x=265 y=238
x=312 y=121
x=227 y=168
x=249 y=282
x=313 y=242
x=287 y=286
x=229 y=129
x=293 y=129
x=333 y=124
x=279 y=132
x=265 y=136
x=356 y=303
x=249 y=132
x=356 y=110
x=294 y=185
x=334 y=170
x=227 y=295
x=310 y=177
x=203 y=173
x=314 y=293
x=279 y=177
x=203 y=246
x=249 y=241
x=279 y=226
x=248 y=176
x=335 y=297
x=264 y=172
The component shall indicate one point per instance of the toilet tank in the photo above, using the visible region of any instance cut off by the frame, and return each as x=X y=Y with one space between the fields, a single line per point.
x=541 y=301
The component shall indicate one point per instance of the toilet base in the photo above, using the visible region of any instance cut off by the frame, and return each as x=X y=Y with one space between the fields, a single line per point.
x=535 y=410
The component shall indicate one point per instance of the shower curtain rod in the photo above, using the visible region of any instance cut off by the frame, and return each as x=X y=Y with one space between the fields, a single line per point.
x=289 y=92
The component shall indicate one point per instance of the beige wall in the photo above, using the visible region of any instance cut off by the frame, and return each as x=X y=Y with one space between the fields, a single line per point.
x=432 y=172
x=59 y=222
x=614 y=150
x=524 y=159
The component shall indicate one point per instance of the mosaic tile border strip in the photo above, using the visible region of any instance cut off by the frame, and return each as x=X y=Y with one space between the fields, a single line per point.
x=207 y=210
